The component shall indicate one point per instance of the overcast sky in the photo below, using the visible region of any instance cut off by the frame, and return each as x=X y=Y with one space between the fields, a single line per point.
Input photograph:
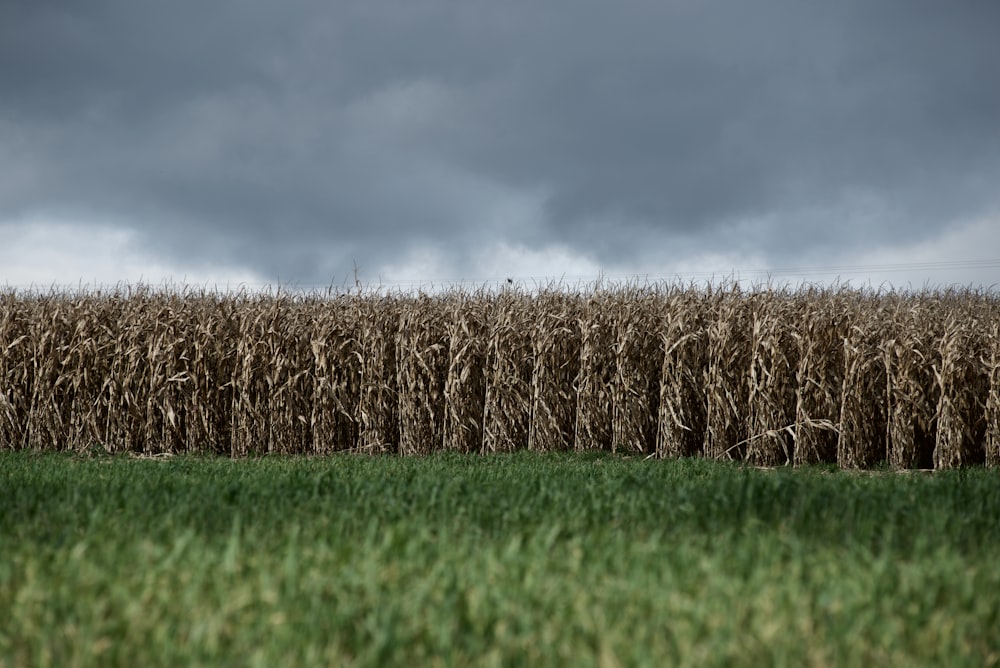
x=428 y=141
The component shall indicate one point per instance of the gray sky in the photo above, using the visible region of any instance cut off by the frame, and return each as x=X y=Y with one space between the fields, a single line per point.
x=445 y=140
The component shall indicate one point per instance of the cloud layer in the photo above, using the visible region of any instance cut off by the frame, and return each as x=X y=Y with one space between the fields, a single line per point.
x=291 y=140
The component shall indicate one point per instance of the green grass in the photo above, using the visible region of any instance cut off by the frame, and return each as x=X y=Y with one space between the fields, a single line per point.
x=522 y=559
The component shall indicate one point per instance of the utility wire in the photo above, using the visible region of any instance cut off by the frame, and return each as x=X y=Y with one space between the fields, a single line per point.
x=736 y=273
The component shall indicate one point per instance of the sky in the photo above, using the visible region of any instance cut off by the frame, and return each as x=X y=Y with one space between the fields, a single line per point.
x=405 y=144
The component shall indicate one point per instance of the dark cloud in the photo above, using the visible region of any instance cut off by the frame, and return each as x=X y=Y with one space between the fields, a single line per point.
x=295 y=137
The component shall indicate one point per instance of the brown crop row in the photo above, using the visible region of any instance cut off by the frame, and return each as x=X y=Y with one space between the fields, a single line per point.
x=766 y=376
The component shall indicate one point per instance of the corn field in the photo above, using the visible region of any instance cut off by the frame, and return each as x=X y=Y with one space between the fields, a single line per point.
x=766 y=376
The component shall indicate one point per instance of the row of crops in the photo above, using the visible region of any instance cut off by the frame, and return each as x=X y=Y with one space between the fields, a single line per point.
x=767 y=376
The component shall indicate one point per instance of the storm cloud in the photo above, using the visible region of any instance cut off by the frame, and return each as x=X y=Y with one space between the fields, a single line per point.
x=292 y=140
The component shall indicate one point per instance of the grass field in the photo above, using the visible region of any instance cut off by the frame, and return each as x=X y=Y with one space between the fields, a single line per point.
x=517 y=559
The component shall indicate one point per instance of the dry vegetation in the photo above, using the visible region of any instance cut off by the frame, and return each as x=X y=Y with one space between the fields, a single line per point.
x=766 y=376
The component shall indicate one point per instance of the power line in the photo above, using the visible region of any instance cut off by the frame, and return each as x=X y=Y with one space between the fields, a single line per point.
x=737 y=272
x=721 y=273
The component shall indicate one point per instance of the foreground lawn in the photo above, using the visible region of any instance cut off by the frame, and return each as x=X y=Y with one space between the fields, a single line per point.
x=522 y=559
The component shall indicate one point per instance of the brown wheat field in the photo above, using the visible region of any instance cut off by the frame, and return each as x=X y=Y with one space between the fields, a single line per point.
x=767 y=376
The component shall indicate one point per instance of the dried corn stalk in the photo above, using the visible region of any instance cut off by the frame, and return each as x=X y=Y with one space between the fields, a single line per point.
x=378 y=320
x=555 y=343
x=862 y=442
x=635 y=391
x=597 y=370
x=909 y=348
x=422 y=368
x=771 y=402
x=465 y=387
x=819 y=334
x=509 y=364
x=963 y=384
x=728 y=351
x=683 y=404
x=336 y=376
x=992 y=417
